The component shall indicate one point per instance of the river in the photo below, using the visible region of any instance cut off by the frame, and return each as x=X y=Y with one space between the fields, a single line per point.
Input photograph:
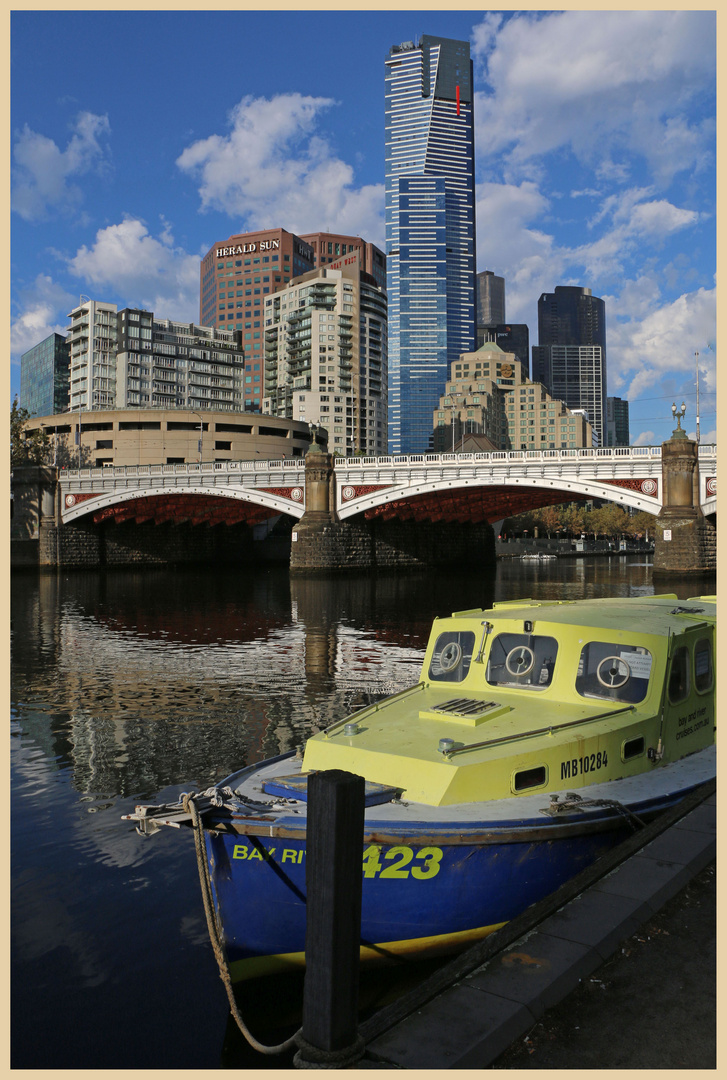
x=132 y=687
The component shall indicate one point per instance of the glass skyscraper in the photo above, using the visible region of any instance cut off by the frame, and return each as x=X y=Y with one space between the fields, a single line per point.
x=570 y=357
x=45 y=377
x=430 y=228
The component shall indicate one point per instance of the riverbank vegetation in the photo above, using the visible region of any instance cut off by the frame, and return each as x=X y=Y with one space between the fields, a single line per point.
x=607 y=521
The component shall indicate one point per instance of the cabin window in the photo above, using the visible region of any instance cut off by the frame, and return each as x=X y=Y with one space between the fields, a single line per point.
x=703 y=678
x=452 y=656
x=678 y=686
x=529 y=778
x=632 y=748
x=615 y=672
x=522 y=660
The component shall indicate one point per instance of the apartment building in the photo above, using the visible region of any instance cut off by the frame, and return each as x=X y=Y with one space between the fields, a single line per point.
x=326 y=358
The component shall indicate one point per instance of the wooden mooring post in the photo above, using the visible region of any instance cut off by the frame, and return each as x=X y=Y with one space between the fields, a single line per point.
x=334 y=849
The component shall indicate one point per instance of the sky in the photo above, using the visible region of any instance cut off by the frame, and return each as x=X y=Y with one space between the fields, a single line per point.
x=140 y=139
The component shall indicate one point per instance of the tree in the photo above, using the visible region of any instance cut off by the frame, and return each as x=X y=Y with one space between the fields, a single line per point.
x=641 y=524
x=26 y=447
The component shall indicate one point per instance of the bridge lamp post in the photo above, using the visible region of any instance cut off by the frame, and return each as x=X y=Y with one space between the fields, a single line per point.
x=679 y=416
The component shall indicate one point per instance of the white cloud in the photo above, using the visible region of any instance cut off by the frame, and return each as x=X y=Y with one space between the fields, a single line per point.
x=41 y=309
x=646 y=438
x=42 y=172
x=143 y=270
x=604 y=84
x=646 y=345
x=272 y=168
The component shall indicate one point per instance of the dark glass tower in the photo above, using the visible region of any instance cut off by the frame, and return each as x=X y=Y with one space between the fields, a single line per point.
x=570 y=357
x=430 y=228
x=45 y=376
x=490 y=299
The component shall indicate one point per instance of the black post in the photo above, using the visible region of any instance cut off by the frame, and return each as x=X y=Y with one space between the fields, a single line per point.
x=334 y=850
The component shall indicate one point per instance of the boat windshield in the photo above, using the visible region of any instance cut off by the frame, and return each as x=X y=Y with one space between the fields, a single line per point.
x=616 y=672
x=522 y=660
x=452 y=656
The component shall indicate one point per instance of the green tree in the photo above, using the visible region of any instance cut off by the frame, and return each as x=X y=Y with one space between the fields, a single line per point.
x=26 y=447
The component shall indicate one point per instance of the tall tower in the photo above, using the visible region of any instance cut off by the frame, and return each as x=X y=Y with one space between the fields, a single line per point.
x=430 y=228
x=490 y=299
x=570 y=357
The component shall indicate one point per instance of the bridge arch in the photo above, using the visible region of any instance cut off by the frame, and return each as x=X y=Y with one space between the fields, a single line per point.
x=102 y=506
x=546 y=490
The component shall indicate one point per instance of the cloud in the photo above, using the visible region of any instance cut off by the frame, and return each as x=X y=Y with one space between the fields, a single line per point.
x=654 y=339
x=41 y=307
x=646 y=438
x=42 y=173
x=273 y=168
x=604 y=85
x=143 y=270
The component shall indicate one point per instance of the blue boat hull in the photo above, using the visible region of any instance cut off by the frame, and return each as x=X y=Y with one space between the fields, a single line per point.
x=417 y=900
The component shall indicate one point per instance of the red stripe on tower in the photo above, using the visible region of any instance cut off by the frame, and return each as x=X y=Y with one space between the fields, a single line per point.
x=457 y=101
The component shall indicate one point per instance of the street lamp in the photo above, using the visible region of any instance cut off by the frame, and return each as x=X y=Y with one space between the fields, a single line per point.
x=679 y=415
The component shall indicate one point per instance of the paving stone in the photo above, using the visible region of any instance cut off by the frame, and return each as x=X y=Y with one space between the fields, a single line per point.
x=678 y=846
x=597 y=919
x=703 y=819
x=463 y=1028
x=537 y=971
x=651 y=881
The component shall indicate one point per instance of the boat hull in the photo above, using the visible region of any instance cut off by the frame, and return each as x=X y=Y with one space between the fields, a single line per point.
x=418 y=900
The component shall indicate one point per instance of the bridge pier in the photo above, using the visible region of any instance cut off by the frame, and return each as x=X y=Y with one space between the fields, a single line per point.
x=686 y=543
x=321 y=544
x=34 y=515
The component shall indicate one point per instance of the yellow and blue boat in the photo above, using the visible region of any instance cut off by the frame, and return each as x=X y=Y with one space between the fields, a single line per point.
x=538 y=735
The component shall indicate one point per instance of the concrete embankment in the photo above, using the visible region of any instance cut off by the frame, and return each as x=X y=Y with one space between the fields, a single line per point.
x=544 y=958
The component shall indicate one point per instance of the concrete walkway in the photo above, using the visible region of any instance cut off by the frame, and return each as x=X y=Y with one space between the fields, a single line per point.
x=490 y=1013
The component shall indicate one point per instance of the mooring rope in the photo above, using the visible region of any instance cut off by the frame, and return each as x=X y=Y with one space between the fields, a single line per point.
x=206 y=882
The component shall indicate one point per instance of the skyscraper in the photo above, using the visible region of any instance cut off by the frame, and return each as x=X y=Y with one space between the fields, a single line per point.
x=45 y=377
x=430 y=228
x=570 y=357
x=490 y=299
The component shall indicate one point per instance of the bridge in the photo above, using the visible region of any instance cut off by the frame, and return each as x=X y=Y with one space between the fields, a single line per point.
x=483 y=487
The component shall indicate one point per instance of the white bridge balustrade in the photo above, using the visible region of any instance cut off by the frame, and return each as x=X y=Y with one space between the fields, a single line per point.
x=631 y=476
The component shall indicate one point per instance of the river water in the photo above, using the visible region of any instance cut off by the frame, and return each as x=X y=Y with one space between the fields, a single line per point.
x=132 y=687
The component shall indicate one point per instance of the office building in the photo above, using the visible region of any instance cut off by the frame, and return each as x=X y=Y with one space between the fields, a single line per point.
x=488 y=395
x=329 y=247
x=576 y=375
x=325 y=355
x=490 y=299
x=570 y=357
x=45 y=377
x=130 y=359
x=430 y=228
x=617 y=420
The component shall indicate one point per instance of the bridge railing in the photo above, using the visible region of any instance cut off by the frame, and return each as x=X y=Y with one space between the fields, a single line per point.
x=189 y=469
x=505 y=456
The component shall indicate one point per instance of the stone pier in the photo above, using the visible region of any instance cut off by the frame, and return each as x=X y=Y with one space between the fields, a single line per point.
x=320 y=544
x=686 y=543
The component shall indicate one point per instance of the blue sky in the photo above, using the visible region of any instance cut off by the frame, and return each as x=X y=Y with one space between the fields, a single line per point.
x=139 y=139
